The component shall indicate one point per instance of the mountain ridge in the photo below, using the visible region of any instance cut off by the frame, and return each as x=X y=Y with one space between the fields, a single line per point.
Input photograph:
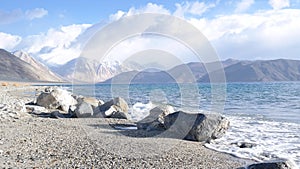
x=234 y=70
x=23 y=68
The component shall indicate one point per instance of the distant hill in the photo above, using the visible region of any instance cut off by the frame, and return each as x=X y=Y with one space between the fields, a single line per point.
x=184 y=73
x=235 y=71
x=137 y=77
x=260 y=71
x=23 y=68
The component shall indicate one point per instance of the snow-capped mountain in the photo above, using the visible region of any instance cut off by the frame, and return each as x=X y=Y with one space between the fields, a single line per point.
x=90 y=71
x=42 y=69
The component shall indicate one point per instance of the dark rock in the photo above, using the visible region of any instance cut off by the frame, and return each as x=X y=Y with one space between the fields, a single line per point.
x=119 y=115
x=155 y=120
x=246 y=145
x=196 y=127
x=115 y=108
x=279 y=164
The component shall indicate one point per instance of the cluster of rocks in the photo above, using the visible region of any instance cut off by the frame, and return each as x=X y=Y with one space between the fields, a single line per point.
x=191 y=126
x=61 y=103
x=11 y=108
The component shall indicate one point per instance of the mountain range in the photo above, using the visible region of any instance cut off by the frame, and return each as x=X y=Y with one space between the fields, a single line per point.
x=234 y=70
x=20 y=66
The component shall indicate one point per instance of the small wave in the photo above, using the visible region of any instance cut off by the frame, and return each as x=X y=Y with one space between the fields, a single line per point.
x=140 y=110
x=273 y=140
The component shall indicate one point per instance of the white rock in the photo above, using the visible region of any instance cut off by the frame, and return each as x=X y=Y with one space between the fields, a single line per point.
x=57 y=98
x=36 y=109
x=110 y=111
x=101 y=102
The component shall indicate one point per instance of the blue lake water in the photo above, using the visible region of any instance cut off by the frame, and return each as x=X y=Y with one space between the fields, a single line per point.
x=265 y=114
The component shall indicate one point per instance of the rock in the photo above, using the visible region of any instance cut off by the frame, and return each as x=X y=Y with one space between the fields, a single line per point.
x=36 y=109
x=90 y=100
x=101 y=102
x=19 y=106
x=279 y=164
x=119 y=103
x=155 y=120
x=50 y=89
x=83 y=110
x=110 y=111
x=56 y=99
x=119 y=115
x=115 y=108
x=196 y=127
x=246 y=145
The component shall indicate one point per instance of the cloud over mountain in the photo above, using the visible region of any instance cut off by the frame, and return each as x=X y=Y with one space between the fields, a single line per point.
x=57 y=46
x=240 y=33
x=9 y=41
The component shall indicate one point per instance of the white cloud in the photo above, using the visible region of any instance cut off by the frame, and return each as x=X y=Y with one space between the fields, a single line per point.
x=279 y=4
x=149 y=8
x=8 y=41
x=243 y=5
x=57 y=45
x=117 y=15
x=266 y=34
x=194 y=8
x=35 y=13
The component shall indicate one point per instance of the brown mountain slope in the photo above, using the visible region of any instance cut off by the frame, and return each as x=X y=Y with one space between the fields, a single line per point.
x=260 y=71
x=13 y=68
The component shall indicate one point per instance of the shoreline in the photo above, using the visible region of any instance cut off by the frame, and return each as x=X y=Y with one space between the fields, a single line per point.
x=31 y=141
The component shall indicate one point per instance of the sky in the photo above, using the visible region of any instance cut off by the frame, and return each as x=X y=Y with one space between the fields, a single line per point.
x=240 y=29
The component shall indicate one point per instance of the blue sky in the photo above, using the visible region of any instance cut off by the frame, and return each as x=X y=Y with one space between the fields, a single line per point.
x=69 y=12
x=240 y=29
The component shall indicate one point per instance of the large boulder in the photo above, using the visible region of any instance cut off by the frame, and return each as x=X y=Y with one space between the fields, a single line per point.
x=196 y=127
x=155 y=120
x=56 y=98
x=115 y=108
x=83 y=110
x=279 y=164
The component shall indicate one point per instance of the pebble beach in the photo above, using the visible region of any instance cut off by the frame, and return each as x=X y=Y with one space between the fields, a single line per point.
x=31 y=141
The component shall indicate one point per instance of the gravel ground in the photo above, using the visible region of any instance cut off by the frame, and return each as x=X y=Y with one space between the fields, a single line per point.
x=35 y=142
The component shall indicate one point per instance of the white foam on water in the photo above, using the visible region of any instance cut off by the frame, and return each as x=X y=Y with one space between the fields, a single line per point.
x=140 y=110
x=271 y=140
